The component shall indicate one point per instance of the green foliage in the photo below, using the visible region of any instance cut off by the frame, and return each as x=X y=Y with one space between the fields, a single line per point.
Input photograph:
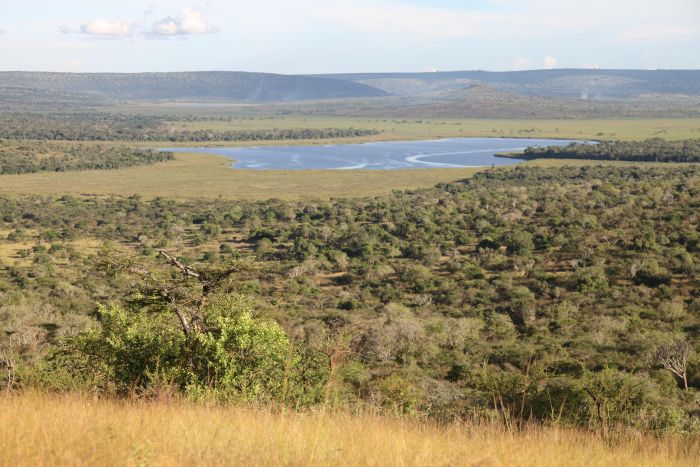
x=398 y=395
x=650 y=150
x=590 y=279
x=245 y=356
x=30 y=157
x=551 y=288
x=114 y=127
x=133 y=351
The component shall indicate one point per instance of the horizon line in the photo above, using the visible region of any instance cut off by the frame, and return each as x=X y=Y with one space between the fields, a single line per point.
x=476 y=70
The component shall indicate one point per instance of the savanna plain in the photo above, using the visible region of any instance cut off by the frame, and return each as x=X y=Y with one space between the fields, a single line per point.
x=168 y=309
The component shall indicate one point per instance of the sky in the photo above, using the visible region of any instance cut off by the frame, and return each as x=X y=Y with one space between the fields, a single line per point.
x=334 y=36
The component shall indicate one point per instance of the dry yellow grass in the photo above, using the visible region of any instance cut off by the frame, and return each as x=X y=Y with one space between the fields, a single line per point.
x=40 y=430
x=9 y=251
x=210 y=176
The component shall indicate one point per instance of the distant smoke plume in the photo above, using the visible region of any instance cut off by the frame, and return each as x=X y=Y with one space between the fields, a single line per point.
x=550 y=62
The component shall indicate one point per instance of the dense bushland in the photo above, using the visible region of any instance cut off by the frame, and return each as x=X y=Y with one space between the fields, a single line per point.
x=650 y=150
x=565 y=295
x=117 y=127
x=41 y=156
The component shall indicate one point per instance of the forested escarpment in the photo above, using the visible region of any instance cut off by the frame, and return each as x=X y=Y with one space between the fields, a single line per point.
x=650 y=150
x=41 y=156
x=227 y=85
x=568 y=295
x=114 y=127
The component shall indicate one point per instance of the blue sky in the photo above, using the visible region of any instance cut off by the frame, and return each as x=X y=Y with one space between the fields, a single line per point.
x=316 y=36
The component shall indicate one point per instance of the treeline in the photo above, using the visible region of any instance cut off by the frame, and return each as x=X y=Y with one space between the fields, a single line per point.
x=562 y=295
x=115 y=127
x=650 y=150
x=31 y=156
x=275 y=134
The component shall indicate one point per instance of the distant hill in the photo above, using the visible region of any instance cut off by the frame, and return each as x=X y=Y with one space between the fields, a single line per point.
x=576 y=83
x=487 y=101
x=561 y=93
x=224 y=85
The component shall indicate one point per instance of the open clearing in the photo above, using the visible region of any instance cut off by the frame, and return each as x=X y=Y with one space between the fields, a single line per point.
x=210 y=176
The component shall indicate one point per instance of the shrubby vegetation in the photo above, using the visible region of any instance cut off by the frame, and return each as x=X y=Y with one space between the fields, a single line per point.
x=564 y=295
x=115 y=127
x=650 y=150
x=40 y=156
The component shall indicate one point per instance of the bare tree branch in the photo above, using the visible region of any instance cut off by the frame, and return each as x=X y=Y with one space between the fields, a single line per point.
x=186 y=270
x=674 y=358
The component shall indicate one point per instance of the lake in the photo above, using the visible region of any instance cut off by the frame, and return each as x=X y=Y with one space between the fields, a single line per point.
x=443 y=153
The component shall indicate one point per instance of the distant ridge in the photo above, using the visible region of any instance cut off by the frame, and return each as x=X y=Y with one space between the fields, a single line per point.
x=565 y=82
x=225 y=85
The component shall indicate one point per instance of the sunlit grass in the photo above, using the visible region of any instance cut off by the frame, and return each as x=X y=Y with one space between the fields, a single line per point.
x=38 y=430
x=210 y=176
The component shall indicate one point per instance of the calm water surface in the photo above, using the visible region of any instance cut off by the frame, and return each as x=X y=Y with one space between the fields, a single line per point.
x=444 y=153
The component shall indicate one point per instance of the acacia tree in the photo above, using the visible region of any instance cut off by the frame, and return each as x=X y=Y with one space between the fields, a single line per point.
x=184 y=327
x=185 y=293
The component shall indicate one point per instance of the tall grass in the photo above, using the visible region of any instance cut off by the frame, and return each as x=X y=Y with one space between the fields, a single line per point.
x=38 y=429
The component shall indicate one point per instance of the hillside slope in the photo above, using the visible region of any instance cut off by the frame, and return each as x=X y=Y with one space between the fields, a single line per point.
x=578 y=83
x=236 y=86
x=487 y=101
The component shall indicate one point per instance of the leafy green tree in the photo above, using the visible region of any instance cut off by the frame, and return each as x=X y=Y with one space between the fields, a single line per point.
x=186 y=331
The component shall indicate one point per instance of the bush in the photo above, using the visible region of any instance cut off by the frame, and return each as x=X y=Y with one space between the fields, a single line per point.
x=590 y=279
x=132 y=351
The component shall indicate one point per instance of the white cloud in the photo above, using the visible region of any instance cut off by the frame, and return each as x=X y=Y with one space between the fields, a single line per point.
x=520 y=63
x=550 y=62
x=104 y=28
x=189 y=21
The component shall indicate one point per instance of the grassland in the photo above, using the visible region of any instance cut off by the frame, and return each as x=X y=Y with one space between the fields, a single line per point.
x=406 y=129
x=75 y=431
x=209 y=176
x=202 y=175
